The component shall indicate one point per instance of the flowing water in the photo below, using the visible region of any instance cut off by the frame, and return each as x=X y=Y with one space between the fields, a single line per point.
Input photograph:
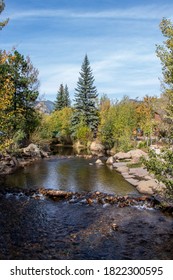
x=32 y=228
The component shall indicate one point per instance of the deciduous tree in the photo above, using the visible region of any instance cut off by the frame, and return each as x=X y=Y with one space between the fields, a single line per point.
x=2 y=23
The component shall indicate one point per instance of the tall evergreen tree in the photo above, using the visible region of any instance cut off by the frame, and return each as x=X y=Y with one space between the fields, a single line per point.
x=62 y=99
x=67 y=101
x=85 y=99
x=59 y=103
x=2 y=23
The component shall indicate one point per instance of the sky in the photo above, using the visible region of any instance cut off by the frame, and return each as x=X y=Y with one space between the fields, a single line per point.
x=119 y=38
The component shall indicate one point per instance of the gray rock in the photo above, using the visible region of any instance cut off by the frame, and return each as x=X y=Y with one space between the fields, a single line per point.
x=137 y=153
x=139 y=172
x=148 y=187
x=127 y=175
x=118 y=164
x=97 y=146
x=99 y=162
x=132 y=181
x=121 y=156
x=32 y=149
x=123 y=169
x=110 y=161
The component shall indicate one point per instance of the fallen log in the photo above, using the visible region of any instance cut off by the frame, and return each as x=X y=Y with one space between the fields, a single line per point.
x=55 y=193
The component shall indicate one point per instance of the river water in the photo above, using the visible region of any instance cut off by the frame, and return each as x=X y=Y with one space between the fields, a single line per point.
x=32 y=228
x=70 y=174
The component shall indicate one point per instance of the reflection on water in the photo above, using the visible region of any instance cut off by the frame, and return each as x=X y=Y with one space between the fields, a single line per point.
x=32 y=228
x=72 y=174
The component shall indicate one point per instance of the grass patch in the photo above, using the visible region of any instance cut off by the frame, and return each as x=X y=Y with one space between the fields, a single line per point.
x=134 y=165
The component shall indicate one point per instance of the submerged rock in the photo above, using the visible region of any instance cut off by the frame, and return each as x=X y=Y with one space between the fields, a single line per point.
x=110 y=161
x=99 y=162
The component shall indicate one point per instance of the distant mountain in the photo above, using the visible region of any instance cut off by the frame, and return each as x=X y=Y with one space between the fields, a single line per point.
x=45 y=107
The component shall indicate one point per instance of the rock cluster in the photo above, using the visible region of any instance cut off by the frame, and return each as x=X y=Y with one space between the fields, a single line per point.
x=137 y=176
x=9 y=163
x=92 y=198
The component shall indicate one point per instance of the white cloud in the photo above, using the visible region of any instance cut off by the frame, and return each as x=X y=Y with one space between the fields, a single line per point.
x=121 y=52
x=139 y=12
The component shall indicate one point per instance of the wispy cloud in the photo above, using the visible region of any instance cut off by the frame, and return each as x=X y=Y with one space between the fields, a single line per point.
x=134 y=13
x=120 y=44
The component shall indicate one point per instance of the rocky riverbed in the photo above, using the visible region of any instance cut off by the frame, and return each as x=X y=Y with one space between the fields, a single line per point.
x=72 y=228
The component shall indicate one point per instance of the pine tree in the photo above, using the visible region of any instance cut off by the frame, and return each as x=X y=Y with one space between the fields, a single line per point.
x=85 y=99
x=62 y=99
x=59 y=103
x=67 y=101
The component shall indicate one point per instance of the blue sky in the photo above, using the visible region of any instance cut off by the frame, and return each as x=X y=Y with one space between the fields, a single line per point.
x=119 y=37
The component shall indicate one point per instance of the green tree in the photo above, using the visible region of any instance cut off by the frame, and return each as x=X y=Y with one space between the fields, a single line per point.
x=117 y=124
x=2 y=23
x=23 y=76
x=59 y=103
x=165 y=53
x=62 y=99
x=55 y=125
x=162 y=165
x=6 y=96
x=85 y=99
x=145 y=116
x=67 y=101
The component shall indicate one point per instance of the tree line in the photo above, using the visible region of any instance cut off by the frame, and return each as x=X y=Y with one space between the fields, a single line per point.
x=116 y=124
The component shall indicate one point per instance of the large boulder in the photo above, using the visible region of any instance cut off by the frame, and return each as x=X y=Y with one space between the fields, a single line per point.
x=110 y=161
x=97 y=147
x=99 y=162
x=122 y=156
x=138 y=172
x=131 y=155
x=148 y=187
x=122 y=169
x=32 y=150
x=137 y=153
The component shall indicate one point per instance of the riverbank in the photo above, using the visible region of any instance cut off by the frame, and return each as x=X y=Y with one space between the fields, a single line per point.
x=10 y=162
x=133 y=171
x=124 y=163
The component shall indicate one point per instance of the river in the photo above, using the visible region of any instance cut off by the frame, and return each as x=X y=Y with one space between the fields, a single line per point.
x=40 y=228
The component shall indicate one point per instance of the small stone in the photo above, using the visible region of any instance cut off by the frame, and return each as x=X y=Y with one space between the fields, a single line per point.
x=110 y=161
x=99 y=162
x=115 y=227
x=106 y=205
x=89 y=201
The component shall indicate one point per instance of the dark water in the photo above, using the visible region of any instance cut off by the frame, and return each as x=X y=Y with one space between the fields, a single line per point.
x=32 y=228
